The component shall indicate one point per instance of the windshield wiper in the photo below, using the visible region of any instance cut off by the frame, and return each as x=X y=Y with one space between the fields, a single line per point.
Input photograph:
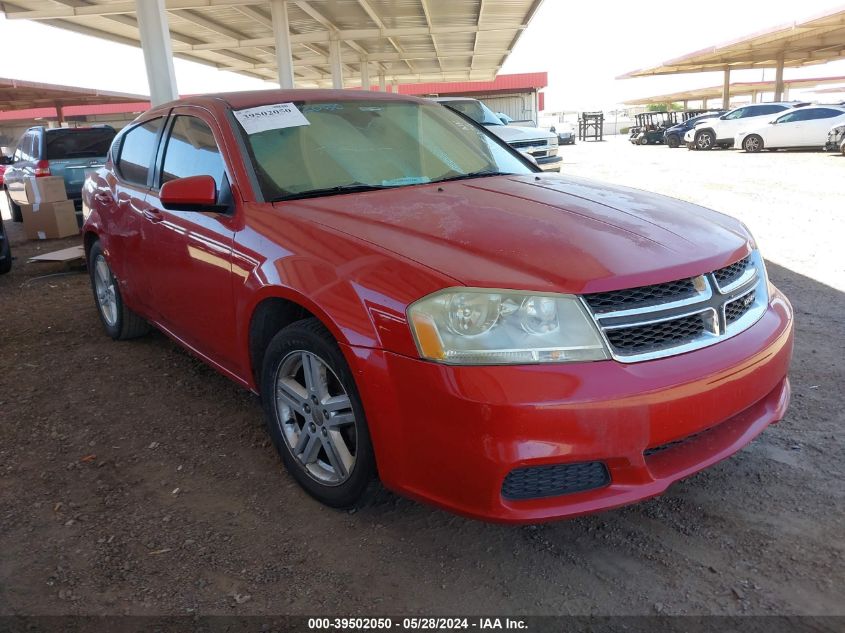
x=474 y=174
x=331 y=191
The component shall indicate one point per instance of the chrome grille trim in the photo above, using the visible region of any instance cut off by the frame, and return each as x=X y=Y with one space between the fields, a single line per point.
x=710 y=301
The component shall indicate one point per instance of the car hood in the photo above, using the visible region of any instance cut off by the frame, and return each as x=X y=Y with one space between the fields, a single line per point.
x=536 y=232
x=511 y=133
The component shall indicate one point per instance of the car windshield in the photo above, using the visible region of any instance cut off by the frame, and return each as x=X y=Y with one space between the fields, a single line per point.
x=78 y=143
x=357 y=145
x=475 y=110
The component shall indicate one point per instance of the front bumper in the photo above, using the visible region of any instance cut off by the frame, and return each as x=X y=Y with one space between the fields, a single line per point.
x=450 y=435
x=550 y=163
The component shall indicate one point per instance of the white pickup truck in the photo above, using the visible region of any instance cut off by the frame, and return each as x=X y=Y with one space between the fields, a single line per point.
x=541 y=145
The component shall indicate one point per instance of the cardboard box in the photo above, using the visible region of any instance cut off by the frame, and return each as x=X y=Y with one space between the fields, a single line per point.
x=45 y=189
x=49 y=220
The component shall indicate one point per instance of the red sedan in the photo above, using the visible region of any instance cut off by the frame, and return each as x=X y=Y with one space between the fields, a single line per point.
x=415 y=302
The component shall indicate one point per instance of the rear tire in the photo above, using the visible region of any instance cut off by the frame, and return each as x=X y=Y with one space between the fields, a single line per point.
x=315 y=417
x=119 y=321
x=14 y=209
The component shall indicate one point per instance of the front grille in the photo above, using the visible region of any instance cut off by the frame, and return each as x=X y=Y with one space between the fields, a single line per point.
x=642 y=296
x=736 y=309
x=536 y=482
x=669 y=318
x=729 y=274
x=537 y=143
x=656 y=336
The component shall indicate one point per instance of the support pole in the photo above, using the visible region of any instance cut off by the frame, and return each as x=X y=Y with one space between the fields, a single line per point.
x=335 y=63
x=281 y=33
x=60 y=114
x=754 y=97
x=779 y=79
x=365 y=73
x=726 y=89
x=382 y=81
x=158 y=53
x=704 y=103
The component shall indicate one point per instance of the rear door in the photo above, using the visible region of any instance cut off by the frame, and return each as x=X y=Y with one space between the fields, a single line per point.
x=122 y=209
x=23 y=167
x=190 y=252
x=817 y=127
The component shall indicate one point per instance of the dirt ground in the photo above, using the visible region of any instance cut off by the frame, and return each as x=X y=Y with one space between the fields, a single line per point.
x=135 y=480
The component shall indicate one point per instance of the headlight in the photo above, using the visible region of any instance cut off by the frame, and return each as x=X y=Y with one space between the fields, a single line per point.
x=478 y=326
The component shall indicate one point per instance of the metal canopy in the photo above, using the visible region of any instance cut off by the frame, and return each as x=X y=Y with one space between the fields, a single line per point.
x=813 y=41
x=21 y=95
x=737 y=89
x=404 y=40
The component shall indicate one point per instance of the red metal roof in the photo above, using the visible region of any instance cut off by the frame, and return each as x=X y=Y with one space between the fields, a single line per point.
x=519 y=81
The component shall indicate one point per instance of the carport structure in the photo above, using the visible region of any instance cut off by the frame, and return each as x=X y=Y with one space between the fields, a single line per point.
x=307 y=43
x=815 y=40
x=754 y=89
x=16 y=94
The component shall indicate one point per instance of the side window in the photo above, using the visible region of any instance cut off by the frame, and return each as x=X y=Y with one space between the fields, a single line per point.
x=798 y=115
x=737 y=114
x=19 y=151
x=192 y=151
x=827 y=113
x=137 y=151
x=770 y=109
x=25 y=147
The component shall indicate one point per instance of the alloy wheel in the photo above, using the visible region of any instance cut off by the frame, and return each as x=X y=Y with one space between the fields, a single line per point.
x=752 y=144
x=704 y=141
x=105 y=291
x=315 y=417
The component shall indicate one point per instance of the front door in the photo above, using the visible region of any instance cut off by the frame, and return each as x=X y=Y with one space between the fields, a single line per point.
x=190 y=267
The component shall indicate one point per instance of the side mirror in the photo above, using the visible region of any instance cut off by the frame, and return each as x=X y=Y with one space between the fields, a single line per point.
x=6 y=160
x=195 y=193
x=723 y=117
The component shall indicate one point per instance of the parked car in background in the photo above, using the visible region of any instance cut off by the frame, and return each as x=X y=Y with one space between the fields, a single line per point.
x=836 y=139
x=798 y=128
x=565 y=133
x=414 y=301
x=720 y=131
x=674 y=136
x=65 y=152
x=541 y=145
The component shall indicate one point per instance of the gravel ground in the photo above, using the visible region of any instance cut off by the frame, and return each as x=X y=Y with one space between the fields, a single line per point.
x=135 y=480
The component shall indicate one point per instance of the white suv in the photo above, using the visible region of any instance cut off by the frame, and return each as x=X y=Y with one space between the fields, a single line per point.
x=720 y=131
x=541 y=145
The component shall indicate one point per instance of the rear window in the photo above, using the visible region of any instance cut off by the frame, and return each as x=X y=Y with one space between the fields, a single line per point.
x=71 y=143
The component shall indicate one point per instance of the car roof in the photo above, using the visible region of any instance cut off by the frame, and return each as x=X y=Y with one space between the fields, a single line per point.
x=254 y=98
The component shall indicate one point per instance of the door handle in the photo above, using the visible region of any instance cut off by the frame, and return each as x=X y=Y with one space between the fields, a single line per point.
x=153 y=215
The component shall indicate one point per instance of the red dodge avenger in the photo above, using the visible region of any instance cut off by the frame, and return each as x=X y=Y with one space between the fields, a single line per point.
x=416 y=303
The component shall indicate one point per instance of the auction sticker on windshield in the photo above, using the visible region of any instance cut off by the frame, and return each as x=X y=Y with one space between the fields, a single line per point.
x=270 y=117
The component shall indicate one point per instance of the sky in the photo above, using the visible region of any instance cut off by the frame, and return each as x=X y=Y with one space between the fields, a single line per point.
x=582 y=45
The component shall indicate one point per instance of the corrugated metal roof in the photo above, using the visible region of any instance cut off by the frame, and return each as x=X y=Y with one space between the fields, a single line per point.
x=519 y=81
x=816 y=40
x=737 y=89
x=409 y=40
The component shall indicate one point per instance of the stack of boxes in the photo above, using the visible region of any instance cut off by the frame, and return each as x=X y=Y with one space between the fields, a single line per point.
x=49 y=213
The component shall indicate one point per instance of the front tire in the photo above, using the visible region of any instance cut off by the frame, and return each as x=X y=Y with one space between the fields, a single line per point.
x=673 y=141
x=315 y=417
x=705 y=140
x=119 y=321
x=752 y=143
x=644 y=141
